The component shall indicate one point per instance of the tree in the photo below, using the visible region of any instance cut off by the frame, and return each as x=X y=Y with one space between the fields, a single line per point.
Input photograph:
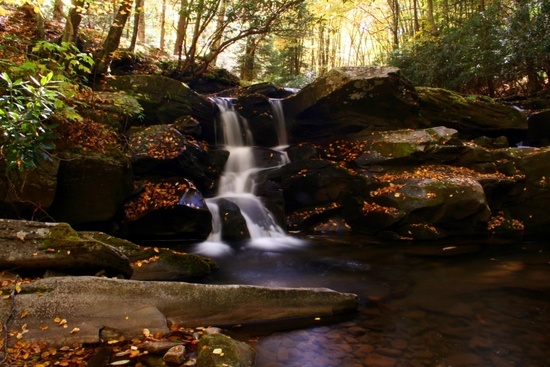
x=112 y=41
x=199 y=47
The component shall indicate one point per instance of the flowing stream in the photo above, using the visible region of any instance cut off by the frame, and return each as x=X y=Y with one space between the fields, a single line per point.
x=485 y=304
x=489 y=306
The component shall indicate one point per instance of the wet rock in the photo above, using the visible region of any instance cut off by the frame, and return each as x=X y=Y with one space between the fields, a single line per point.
x=36 y=247
x=91 y=186
x=167 y=207
x=220 y=350
x=538 y=133
x=234 y=227
x=175 y=355
x=317 y=182
x=349 y=100
x=524 y=206
x=257 y=110
x=465 y=360
x=163 y=150
x=158 y=347
x=267 y=89
x=165 y=99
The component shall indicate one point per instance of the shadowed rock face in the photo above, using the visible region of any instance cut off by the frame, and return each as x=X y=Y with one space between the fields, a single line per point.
x=127 y=306
x=350 y=100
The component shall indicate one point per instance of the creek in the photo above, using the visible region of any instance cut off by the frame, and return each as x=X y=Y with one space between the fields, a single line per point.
x=421 y=304
x=463 y=302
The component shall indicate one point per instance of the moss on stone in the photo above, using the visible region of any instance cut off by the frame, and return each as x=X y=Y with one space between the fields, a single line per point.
x=220 y=350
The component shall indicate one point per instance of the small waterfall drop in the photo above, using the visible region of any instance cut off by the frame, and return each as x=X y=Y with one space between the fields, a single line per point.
x=237 y=183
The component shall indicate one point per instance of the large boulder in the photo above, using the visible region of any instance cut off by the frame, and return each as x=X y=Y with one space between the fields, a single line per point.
x=91 y=186
x=35 y=247
x=165 y=99
x=163 y=150
x=311 y=183
x=471 y=116
x=349 y=100
x=438 y=144
x=166 y=207
x=256 y=109
x=538 y=133
x=91 y=306
x=24 y=194
x=527 y=203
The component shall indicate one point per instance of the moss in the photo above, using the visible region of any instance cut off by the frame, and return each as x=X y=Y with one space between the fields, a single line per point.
x=220 y=350
x=58 y=237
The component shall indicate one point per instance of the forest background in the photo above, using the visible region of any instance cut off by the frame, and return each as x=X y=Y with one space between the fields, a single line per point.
x=499 y=48
x=493 y=47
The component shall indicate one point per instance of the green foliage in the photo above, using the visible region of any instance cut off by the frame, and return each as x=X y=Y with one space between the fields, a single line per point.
x=486 y=52
x=25 y=106
x=64 y=58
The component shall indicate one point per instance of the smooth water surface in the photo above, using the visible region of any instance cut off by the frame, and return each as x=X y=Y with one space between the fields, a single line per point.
x=463 y=304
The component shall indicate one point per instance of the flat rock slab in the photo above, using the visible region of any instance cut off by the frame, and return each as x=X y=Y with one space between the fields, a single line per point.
x=69 y=310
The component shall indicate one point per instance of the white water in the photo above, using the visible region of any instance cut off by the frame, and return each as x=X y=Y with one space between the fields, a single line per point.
x=237 y=184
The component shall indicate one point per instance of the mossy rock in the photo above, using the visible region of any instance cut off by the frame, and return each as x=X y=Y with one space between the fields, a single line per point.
x=471 y=116
x=220 y=350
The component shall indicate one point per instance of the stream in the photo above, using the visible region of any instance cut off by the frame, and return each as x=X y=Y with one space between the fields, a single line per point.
x=421 y=304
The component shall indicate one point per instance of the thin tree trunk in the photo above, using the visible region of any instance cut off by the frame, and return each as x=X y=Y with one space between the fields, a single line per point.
x=113 y=37
x=247 y=69
x=219 y=32
x=163 y=26
x=70 y=34
x=431 y=19
x=58 y=14
x=183 y=22
x=138 y=13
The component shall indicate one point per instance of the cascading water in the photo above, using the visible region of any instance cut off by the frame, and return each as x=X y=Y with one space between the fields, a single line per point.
x=237 y=182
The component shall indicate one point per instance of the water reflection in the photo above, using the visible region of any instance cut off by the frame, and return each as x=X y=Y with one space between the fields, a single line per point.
x=480 y=305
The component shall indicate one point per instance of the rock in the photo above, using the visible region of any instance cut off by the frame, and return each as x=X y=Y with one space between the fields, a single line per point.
x=128 y=306
x=220 y=350
x=36 y=247
x=538 y=132
x=24 y=194
x=349 y=100
x=267 y=89
x=163 y=150
x=312 y=183
x=527 y=201
x=234 y=227
x=438 y=144
x=471 y=116
x=91 y=186
x=114 y=109
x=257 y=110
x=167 y=207
x=164 y=100
x=175 y=355
x=166 y=264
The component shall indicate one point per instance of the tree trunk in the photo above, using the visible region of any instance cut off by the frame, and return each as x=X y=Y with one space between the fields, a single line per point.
x=247 y=68
x=113 y=37
x=138 y=15
x=183 y=22
x=58 y=14
x=162 y=26
x=431 y=19
x=218 y=34
x=70 y=34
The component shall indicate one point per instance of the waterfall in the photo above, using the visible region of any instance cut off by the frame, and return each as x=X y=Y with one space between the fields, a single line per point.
x=237 y=182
